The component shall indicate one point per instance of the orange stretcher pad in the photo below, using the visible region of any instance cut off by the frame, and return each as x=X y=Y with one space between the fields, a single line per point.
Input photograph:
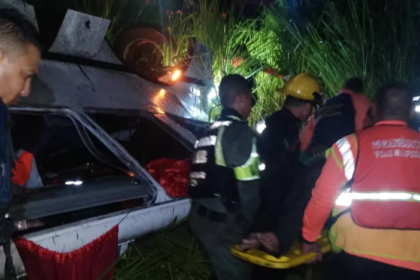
x=292 y=259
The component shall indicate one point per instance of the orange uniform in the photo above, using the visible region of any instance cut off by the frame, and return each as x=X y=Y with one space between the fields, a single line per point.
x=25 y=173
x=22 y=170
x=383 y=223
x=361 y=105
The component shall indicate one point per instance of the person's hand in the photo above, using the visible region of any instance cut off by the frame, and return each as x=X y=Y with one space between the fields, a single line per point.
x=309 y=248
x=269 y=242
x=250 y=243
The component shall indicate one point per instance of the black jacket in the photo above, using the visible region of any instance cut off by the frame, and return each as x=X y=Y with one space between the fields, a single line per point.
x=279 y=147
x=6 y=156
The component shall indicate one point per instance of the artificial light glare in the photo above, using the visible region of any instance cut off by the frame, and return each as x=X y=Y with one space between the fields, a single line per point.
x=195 y=112
x=74 y=183
x=261 y=167
x=417 y=108
x=416 y=98
x=212 y=94
x=195 y=91
x=176 y=75
x=260 y=127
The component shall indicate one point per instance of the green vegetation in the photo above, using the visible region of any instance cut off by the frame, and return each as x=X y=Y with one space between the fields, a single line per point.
x=168 y=255
x=376 y=40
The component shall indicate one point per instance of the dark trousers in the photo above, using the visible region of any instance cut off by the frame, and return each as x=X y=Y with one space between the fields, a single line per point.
x=344 y=266
x=217 y=239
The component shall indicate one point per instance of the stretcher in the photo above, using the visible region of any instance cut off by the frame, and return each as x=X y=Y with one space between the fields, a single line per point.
x=292 y=259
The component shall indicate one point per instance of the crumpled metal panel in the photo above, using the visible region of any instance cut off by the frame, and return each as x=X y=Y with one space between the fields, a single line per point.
x=80 y=35
x=23 y=7
x=106 y=54
x=61 y=84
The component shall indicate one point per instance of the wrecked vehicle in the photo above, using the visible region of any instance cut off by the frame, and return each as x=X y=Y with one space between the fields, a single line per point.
x=92 y=127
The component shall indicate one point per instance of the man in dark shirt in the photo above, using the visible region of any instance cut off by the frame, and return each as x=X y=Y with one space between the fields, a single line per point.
x=224 y=181
x=279 y=145
x=19 y=58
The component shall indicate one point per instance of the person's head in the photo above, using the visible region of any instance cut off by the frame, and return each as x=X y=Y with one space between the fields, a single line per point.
x=354 y=84
x=302 y=109
x=303 y=92
x=235 y=92
x=19 y=55
x=394 y=101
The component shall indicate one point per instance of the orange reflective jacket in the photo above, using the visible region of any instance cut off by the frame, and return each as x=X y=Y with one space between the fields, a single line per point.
x=22 y=170
x=378 y=215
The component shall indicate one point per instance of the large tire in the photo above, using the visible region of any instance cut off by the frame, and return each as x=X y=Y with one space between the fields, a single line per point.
x=140 y=48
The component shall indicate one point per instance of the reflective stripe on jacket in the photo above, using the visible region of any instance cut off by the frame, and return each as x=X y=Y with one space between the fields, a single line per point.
x=384 y=221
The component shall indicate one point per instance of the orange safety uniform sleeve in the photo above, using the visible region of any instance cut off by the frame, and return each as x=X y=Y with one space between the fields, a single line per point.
x=22 y=169
x=306 y=133
x=327 y=189
x=362 y=105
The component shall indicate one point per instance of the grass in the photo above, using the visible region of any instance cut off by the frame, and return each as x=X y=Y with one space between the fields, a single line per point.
x=351 y=38
x=172 y=254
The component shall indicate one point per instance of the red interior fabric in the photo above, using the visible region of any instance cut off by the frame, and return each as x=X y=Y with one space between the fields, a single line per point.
x=87 y=263
x=171 y=174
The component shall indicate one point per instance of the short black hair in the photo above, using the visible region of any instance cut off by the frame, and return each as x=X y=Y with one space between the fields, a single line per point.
x=292 y=101
x=16 y=31
x=395 y=105
x=232 y=86
x=355 y=84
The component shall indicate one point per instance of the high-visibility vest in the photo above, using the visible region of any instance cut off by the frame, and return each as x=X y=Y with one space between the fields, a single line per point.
x=378 y=212
x=210 y=176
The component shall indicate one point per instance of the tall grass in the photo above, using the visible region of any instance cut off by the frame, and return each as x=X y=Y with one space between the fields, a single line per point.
x=376 y=40
x=237 y=46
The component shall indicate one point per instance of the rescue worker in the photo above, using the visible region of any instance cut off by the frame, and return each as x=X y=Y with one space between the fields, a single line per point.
x=370 y=183
x=19 y=58
x=25 y=173
x=279 y=144
x=347 y=112
x=340 y=116
x=224 y=181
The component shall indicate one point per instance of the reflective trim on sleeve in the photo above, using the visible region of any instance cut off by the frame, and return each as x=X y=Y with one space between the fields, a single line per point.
x=348 y=159
x=198 y=175
x=200 y=157
x=206 y=142
x=346 y=198
x=220 y=124
x=250 y=170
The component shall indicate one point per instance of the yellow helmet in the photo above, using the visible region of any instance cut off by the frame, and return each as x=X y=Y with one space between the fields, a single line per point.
x=303 y=86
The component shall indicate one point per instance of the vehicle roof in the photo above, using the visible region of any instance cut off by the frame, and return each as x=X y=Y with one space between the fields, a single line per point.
x=75 y=85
